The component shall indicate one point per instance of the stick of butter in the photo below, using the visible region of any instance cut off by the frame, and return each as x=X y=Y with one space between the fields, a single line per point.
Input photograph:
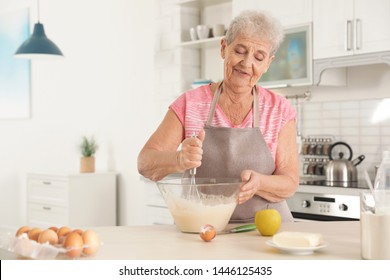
x=297 y=239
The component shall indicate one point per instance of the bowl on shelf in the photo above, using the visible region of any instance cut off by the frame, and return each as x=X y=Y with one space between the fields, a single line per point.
x=205 y=201
x=203 y=31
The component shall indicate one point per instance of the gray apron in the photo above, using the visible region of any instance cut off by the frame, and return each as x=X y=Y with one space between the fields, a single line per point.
x=228 y=151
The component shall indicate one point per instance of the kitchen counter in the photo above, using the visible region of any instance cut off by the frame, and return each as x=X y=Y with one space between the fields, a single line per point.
x=165 y=242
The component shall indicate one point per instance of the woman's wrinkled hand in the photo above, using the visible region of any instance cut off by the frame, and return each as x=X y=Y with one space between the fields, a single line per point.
x=191 y=151
x=250 y=186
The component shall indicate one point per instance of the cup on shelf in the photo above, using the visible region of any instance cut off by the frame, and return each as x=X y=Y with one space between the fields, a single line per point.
x=193 y=34
x=202 y=31
x=218 y=30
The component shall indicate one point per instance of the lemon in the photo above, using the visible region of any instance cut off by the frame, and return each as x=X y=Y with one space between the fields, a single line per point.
x=268 y=221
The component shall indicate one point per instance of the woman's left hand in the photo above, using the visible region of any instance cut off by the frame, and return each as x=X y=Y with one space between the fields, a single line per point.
x=250 y=186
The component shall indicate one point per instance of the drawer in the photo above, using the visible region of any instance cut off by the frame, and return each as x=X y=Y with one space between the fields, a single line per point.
x=47 y=191
x=159 y=215
x=46 y=215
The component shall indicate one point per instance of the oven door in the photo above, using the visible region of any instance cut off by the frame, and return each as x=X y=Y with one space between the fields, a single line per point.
x=305 y=217
x=324 y=207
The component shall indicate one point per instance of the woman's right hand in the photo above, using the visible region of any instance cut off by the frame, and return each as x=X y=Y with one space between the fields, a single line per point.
x=191 y=151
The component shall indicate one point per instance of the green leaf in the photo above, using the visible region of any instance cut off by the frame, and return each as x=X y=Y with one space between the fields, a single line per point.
x=88 y=147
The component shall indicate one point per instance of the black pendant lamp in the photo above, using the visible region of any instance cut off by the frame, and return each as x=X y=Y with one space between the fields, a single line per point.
x=38 y=45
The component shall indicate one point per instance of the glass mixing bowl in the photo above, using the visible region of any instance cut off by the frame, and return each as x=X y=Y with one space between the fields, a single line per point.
x=208 y=201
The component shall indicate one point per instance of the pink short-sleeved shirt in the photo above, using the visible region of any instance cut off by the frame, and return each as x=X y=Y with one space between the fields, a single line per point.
x=192 y=109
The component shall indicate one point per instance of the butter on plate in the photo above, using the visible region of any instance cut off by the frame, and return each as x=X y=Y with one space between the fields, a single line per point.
x=297 y=239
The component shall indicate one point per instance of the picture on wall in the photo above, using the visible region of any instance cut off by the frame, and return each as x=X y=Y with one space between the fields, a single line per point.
x=14 y=73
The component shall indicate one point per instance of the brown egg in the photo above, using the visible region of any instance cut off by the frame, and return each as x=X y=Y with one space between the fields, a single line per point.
x=33 y=234
x=21 y=230
x=48 y=235
x=55 y=229
x=73 y=244
x=62 y=232
x=79 y=231
x=91 y=242
x=207 y=232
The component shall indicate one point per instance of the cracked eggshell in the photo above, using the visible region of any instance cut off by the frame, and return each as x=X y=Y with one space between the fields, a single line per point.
x=207 y=232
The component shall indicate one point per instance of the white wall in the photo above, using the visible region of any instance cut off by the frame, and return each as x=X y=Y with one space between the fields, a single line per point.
x=101 y=88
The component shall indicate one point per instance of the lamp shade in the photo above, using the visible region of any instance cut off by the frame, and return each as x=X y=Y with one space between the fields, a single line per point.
x=38 y=45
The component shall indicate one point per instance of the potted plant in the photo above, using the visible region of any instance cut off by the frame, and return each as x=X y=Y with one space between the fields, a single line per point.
x=88 y=149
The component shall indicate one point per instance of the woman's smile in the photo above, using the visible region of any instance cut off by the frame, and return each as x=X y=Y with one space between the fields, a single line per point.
x=241 y=72
x=246 y=59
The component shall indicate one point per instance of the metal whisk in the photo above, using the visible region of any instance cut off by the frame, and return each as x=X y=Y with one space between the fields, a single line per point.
x=193 y=188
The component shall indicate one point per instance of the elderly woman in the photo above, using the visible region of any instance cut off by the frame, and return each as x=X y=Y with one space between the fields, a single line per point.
x=244 y=131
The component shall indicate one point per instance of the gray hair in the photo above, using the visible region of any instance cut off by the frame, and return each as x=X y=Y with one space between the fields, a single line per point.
x=259 y=24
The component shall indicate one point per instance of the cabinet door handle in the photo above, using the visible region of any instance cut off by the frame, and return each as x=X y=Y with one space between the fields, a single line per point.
x=348 y=36
x=46 y=182
x=46 y=208
x=358 y=31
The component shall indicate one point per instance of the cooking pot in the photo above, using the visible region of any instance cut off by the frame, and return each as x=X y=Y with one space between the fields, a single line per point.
x=342 y=172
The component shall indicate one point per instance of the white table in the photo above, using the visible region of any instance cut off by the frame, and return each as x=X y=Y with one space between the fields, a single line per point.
x=166 y=242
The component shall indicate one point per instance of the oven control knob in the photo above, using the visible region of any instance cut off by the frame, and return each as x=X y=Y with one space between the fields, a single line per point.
x=343 y=207
x=305 y=204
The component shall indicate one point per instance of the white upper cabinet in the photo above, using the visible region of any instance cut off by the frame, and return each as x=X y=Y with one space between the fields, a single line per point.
x=288 y=12
x=332 y=20
x=373 y=25
x=349 y=27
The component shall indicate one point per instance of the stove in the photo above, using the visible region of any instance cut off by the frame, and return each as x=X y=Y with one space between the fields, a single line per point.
x=323 y=182
x=316 y=200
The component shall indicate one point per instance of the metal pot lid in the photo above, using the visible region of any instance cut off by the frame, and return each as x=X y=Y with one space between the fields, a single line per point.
x=340 y=151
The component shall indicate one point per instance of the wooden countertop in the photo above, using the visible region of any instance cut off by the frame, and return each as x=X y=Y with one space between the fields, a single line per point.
x=166 y=242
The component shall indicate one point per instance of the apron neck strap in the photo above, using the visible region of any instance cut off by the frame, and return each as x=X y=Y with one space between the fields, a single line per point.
x=255 y=107
x=217 y=94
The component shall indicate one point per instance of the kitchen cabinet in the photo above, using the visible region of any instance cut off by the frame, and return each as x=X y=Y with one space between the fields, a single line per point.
x=350 y=27
x=76 y=200
x=288 y=12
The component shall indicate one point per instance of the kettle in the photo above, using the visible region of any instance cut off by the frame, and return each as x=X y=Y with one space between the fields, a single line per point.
x=342 y=172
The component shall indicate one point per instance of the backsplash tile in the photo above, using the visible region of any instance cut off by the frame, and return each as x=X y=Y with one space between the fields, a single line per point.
x=351 y=131
x=350 y=122
x=349 y=113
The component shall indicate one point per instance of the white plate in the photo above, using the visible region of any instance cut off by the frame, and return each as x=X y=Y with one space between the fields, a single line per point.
x=296 y=250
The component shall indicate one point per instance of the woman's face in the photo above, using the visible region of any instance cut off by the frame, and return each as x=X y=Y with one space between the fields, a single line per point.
x=245 y=61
